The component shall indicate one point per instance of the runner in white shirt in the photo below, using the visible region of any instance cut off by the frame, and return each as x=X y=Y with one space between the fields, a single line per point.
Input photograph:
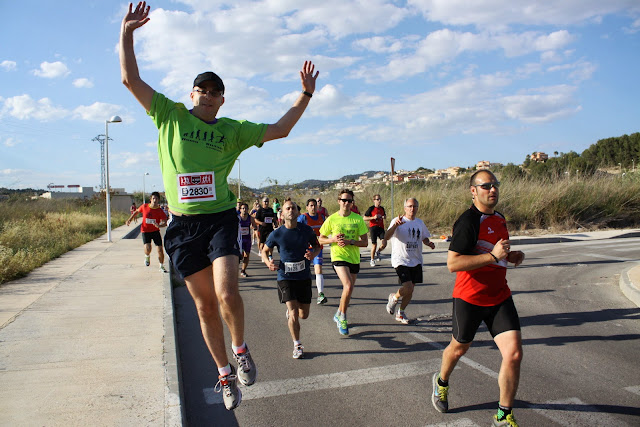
x=407 y=234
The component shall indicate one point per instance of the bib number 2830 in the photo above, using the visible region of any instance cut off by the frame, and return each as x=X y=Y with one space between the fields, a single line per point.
x=196 y=187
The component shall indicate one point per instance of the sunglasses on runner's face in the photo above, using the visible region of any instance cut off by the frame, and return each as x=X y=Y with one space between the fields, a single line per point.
x=213 y=93
x=488 y=185
x=346 y=200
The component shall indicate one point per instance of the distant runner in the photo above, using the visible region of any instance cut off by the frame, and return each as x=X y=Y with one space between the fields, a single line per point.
x=153 y=217
x=315 y=221
x=376 y=216
x=246 y=222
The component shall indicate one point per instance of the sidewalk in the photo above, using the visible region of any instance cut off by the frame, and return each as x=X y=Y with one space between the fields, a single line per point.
x=88 y=339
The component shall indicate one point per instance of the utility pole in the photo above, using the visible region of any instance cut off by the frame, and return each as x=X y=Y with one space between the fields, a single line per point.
x=101 y=140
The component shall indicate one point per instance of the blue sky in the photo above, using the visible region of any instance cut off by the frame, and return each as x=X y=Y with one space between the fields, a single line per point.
x=433 y=83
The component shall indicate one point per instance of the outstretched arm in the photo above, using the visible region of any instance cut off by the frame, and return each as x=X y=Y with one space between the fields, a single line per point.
x=128 y=65
x=282 y=128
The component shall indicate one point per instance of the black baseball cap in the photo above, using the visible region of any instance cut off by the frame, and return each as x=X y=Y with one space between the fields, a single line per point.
x=209 y=75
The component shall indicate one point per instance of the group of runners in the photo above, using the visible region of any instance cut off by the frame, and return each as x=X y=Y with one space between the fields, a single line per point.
x=196 y=150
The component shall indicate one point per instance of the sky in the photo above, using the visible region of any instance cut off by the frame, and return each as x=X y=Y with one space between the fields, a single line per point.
x=432 y=83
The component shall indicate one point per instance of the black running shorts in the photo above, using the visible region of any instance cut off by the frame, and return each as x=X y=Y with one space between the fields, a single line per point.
x=409 y=274
x=194 y=241
x=154 y=236
x=295 y=290
x=498 y=318
x=353 y=268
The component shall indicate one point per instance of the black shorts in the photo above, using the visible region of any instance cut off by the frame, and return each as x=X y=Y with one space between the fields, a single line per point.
x=353 y=268
x=152 y=236
x=498 y=318
x=194 y=241
x=376 y=233
x=409 y=274
x=264 y=232
x=295 y=290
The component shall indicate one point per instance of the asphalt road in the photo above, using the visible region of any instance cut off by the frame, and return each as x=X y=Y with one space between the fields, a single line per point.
x=581 y=345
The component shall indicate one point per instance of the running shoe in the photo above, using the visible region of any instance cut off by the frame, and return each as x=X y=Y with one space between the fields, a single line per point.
x=298 y=351
x=378 y=256
x=372 y=263
x=439 y=395
x=343 y=327
x=147 y=261
x=228 y=385
x=321 y=298
x=402 y=318
x=391 y=305
x=243 y=273
x=509 y=420
x=247 y=371
x=162 y=269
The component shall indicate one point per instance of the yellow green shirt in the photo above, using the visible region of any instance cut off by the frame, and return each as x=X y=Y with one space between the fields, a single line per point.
x=196 y=157
x=352 y=227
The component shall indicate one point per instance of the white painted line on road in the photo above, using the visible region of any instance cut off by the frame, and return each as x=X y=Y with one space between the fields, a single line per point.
x=612 y=258
x=634 y=389
x=573 y=412
x=463 y=359
x=329 y=381
x=462 y=422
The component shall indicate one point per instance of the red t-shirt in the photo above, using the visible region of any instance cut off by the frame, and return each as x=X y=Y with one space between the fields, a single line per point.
x=151 y=217
x=476 y=233
x=373 y=211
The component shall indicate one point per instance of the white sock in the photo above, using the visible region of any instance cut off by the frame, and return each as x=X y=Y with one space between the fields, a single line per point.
x=224 y=371
x=296 y=342
x=320 y=282
x=240 y=349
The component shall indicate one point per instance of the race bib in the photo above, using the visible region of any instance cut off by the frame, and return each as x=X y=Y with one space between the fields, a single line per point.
x=268 y=220
x=196 y=187
x=150 y=221
x=244 y=231
x=294 y=267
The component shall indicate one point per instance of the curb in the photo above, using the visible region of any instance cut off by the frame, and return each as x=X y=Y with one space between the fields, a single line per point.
x=173 y=411
x=628 y=288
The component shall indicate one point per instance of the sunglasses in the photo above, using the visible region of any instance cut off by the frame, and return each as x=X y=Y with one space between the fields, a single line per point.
x=488 y=185
x=346 y=200
x=377 y=199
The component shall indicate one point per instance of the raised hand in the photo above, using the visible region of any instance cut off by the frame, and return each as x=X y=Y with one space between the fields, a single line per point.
x=307 y=77
x=136 y=18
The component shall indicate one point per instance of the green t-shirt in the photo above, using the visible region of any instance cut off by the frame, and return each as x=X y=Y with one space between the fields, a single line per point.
x=196 y=157
x=352 y=227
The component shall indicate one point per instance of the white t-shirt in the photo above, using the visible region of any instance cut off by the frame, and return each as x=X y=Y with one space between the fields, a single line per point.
x=406 y=242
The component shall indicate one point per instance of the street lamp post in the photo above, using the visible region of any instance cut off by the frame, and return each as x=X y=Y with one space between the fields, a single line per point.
x=143 y=187
x=114 y=119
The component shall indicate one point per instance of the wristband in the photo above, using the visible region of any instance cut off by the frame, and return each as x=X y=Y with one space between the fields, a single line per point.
x=494 y=257
x=309 y=94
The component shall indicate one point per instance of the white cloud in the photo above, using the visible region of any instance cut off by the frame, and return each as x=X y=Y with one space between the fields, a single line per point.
x=24 y=107
x=384 y=44
x=502 y=13
x=10 y=142
x=129 y=159
x=96 y=112
x=542 y=104
x=83 y=83
x=52 y=70
x=8 y=65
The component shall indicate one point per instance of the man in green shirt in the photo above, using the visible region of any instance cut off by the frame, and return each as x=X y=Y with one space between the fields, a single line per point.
x=346 y=232
x=197 y=151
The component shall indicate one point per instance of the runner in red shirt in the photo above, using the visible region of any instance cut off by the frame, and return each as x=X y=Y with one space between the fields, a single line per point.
x=376 y=216
x=153 y=217
x=478 y=254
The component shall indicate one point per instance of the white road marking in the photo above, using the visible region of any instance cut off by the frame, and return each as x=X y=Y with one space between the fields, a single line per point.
x=573 y=412
x=612 y=258
x=463 y=359
x=328 y=381
x=462 y=422
x=634 y=389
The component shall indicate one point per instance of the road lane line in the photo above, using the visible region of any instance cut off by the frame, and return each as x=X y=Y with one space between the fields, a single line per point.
x=612 y=258
x=462 y=422
x=329 y=381
x=463 y=359
x=634 y=389
x=574 y=412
